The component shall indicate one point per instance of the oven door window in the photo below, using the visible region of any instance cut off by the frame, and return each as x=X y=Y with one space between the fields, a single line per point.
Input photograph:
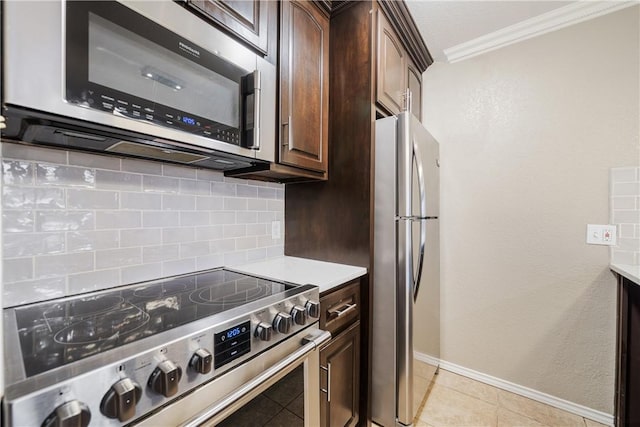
x=282 y=404
x=125 y=64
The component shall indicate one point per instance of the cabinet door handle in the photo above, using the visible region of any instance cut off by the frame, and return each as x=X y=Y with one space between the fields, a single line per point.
x=327 y=391
x=342 y=310
x=287 y=124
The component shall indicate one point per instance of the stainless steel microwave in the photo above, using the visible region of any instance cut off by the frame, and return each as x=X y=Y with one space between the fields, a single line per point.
x=139 y=78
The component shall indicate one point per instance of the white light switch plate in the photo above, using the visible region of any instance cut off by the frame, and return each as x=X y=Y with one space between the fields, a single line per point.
x=601 y=234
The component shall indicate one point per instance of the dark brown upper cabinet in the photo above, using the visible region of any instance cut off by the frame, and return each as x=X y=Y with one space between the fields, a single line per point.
x=414 y=83
x=304 y=86
x=391 y=66
x=246 y=19
x=396 y=72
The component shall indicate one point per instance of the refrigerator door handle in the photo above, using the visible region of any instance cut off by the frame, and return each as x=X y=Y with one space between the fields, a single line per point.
x=417 y=158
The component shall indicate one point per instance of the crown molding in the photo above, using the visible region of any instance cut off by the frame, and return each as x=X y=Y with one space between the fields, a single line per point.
x=554 y=20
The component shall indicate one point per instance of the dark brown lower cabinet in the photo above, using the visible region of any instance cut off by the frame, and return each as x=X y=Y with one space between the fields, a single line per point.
x=340 y=379
x=628 y=372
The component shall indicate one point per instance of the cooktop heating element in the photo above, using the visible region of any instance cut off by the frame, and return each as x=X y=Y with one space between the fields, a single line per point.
x=116 y=355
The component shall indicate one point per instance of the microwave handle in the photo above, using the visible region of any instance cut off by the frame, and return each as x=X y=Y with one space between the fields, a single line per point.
x=252 y=135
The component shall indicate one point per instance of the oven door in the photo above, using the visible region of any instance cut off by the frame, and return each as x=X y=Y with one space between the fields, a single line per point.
x=282 y=383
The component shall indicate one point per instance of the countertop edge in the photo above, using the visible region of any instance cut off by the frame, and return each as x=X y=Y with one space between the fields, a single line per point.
x=631 y=272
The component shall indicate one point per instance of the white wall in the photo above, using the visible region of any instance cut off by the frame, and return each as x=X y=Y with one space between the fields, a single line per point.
x=528 y=134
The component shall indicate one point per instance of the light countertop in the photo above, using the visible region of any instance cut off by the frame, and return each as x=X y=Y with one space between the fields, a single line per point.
x=302 y=271
x=631 y=272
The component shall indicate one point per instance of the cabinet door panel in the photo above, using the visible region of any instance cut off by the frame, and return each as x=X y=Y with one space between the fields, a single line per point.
x=341 y=357
x=247 y=19
x=304 y=89
x=391 y=67
x=415 y=86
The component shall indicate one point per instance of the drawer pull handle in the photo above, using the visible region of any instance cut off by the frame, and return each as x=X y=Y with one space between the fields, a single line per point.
x=328 y=389
x=339 y=312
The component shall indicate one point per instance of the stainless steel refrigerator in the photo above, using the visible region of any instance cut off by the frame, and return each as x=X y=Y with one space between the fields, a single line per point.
x=406 y=272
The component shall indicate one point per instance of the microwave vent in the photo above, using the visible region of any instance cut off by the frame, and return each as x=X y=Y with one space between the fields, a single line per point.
x=133 y=149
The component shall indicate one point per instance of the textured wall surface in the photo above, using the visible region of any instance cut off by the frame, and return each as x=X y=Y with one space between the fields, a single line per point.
x=625 y=213
x=75 y=222
x=528 y=134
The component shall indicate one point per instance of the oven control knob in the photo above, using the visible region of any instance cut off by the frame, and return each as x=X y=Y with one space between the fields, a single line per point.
x=121 y=400
x=299 y=315
x=201 y=361
x=263 y=331
x=313 y=309
x=70 y=414
x=282 y=322
x=164 y=379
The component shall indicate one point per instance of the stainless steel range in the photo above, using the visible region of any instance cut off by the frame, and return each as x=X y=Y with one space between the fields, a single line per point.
x=181 y=350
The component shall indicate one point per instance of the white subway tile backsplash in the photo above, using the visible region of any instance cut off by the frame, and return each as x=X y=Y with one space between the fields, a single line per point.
x=29 y=152
x=210 y=232
x=248 y=217
x=67 y=176
x=209 y=261
x=189 y=186
x=246 y=243
x=77 y=158
x=194 y=249
x=182 y=266
x=76 y=222
x=111 y=258
x=625 y=213
x=223 y=189
x=239 y=230
x=33 y=290
x=209 y=203
x=17 y=172
x=267 y=193
x=118 y=219
x=140 y=273
x=92 y=199
x=626 y=189
x=141 y=201
x=15 y=245
x=624 y=175
x=178 y=235
x=209 y=175
x=178 y=202
x=109 y=180
x=30 y=197
x=78 y=241
x=246 y=191
x=160 y=184
x=235 y=204
x=17 y=269
x=94 y=280
x=140 y=237
x=62 y=265
x=146 y=167
x=154 y=254
x=194 y=218
x=64 y=220
x=624 y=202
x=178 y=171
x=18 y=221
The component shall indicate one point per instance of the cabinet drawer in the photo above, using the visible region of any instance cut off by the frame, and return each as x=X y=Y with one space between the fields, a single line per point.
x=340 y=308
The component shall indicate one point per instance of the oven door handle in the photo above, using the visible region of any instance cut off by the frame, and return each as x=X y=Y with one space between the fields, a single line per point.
x=311 y=342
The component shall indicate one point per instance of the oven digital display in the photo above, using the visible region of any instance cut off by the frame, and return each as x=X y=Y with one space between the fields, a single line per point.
x=231 y=344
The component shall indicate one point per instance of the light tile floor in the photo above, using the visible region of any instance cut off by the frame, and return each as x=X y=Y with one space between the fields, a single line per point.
x=456 y=401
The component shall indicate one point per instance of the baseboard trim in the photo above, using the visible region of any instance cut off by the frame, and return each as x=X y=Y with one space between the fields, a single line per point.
x=536 y=395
